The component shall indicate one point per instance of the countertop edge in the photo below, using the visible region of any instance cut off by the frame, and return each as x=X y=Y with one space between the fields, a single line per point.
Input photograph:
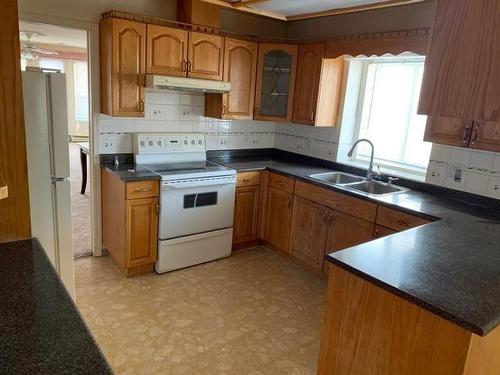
x=481 y=331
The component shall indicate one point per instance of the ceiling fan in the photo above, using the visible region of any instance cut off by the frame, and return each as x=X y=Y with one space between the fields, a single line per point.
x=30 y=51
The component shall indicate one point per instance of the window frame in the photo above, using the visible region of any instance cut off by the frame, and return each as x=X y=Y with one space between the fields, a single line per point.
x=399 y=166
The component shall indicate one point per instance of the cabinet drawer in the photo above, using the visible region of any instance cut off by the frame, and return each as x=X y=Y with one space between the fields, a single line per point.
x=398 y=220
x=142 y=189
x=381 y=231
x=281 y=182
x=248 y=178
x=338 y=201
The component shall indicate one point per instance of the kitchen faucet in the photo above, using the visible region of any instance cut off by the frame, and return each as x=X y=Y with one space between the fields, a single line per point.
x=369 y=173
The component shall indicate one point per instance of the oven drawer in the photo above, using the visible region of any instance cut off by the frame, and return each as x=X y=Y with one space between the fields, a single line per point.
x=142 y=189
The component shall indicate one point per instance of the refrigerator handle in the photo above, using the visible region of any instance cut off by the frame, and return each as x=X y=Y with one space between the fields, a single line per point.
x=53 y=179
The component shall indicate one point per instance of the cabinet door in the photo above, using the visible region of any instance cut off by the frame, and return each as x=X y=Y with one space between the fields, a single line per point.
x=307 y=83
x=167 y=51
x=141 y=231
x=309 y=232
x=447 y=131
x=278 y=219
x=462 y=73
x=240 y=66
x=129 y=58
x=276 y=72
x=486 y=136
x=205 y=56
x=246 y=213
x=346 y=231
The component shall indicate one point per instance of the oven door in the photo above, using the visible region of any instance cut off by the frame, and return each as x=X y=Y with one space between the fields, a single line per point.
x=196 y=208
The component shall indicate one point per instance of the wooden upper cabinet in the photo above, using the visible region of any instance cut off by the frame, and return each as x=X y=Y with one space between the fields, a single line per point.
x=276 y=71
x=307 y=83
x=123 y=67
x=448 y=131
x=318 y=87
x=486 y=136
x=462 y=73
x=310 y=222
x=206 y=56
x=167 y=50
x=240 y=66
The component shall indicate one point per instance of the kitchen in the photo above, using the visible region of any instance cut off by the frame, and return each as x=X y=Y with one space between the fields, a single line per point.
x=202 y=158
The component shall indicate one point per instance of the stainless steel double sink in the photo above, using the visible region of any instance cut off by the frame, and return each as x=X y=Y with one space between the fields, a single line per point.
x=358 y=184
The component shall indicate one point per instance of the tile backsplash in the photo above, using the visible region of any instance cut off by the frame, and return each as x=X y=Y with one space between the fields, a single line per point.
x=464 y=169
x=171 y=111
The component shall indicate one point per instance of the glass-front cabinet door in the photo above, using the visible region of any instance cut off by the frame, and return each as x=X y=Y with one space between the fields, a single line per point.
x=275 y=82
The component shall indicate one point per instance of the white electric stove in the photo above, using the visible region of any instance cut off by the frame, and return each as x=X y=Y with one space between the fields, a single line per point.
x=196 y=199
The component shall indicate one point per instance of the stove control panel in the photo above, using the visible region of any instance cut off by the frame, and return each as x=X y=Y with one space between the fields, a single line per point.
x=167 y=143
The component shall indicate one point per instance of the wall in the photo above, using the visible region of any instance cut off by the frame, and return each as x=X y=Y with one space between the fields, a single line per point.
x=14 y=210
x=170 y=111
x=411 y=16
x=463 y=169
x=248 y=24
x=90 y=10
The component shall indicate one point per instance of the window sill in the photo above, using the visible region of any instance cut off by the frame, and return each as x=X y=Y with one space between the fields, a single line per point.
x=409 y=174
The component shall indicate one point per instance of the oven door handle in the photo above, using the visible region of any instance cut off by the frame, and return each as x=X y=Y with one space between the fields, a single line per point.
x=167 y=186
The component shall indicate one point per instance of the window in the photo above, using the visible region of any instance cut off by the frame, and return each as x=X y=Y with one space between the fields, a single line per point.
x=387 y=114
x=81 y=91
x=52 y=64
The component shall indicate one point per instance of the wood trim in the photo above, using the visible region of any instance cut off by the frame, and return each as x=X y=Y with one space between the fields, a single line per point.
x=369 y=44
x=353 y=9
x=15 y=210
x=242 y=7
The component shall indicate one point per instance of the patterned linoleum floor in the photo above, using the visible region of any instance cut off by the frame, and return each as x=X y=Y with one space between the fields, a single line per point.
x=253 y=313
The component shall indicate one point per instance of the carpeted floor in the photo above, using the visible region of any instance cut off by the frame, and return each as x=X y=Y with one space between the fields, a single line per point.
x=80 y=204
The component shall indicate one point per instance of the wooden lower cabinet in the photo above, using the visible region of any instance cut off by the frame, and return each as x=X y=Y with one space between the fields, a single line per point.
x=246 y=214
x=347 y=231
x=278 y=219
x=130 y=223
x=142 y=231
x=309 y=230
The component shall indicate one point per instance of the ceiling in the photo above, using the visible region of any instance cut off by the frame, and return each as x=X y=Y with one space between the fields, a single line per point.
x=54 y=35
x=289 y=10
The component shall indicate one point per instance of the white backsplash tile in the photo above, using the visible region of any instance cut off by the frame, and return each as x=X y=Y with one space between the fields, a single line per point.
x=478 y=170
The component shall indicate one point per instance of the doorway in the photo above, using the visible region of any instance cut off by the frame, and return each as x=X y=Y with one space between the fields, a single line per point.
x=65 y=50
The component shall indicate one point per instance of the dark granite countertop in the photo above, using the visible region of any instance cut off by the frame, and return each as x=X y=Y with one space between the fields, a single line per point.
x=450 y=267
x=41 y=330
x=132 y=172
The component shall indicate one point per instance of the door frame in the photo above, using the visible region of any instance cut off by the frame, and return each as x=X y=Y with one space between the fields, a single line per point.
x=92 y=30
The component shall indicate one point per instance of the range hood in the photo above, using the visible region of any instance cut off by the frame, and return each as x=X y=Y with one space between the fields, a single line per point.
x=186 y=84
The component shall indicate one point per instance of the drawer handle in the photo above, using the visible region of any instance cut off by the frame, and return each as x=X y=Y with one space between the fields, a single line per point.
x=246 y=180
x=142 y=190
x=404 y=224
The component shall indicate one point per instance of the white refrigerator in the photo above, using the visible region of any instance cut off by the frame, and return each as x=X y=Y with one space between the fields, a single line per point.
x=46 y=124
